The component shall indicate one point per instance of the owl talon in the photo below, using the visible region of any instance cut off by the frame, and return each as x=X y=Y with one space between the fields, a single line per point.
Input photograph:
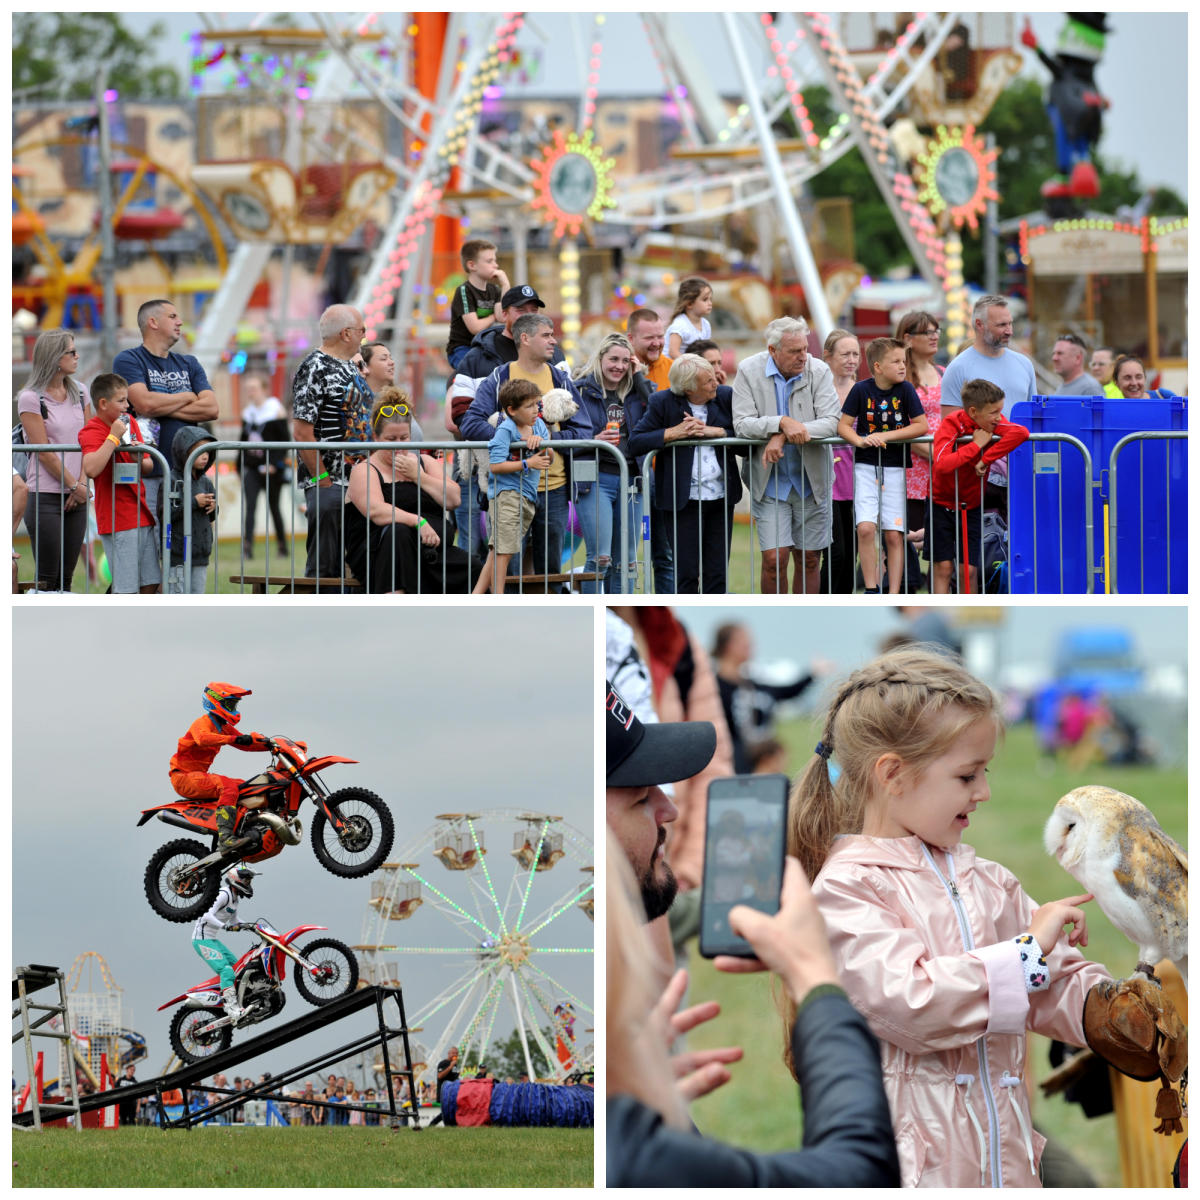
x=1147 y=970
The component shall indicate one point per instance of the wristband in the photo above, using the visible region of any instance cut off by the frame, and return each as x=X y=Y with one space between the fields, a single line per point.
x=524 y=465
x=421 y=521
x=112 y=437
x=318 y=478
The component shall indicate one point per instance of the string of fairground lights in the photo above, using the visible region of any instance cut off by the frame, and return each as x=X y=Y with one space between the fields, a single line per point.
x=877 y=138
x=803 y=120
x=589 y=101
x=429 y=193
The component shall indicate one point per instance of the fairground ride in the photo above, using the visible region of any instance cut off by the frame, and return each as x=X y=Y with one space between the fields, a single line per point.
x=98 y=1023
x=891 y=76
x=476 y=918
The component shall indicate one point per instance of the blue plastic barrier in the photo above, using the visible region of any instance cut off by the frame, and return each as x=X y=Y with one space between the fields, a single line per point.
x=1046 y=499
x=530 y=1104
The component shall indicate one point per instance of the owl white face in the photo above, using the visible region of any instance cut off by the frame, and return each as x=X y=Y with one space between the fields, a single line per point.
x=1065 y=835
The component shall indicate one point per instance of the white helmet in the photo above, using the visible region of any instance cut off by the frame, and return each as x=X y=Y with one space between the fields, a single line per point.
x=239 y=878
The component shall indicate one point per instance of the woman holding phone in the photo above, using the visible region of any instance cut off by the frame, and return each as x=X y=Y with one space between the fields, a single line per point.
x=847 y=1140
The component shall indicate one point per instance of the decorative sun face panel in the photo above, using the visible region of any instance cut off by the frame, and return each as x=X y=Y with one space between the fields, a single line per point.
x=957 y=176
x=573 y=182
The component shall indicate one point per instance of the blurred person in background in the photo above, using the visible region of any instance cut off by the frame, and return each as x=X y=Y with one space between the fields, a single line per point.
x=264 y=419
x=749 y=706
x=769 y=758
x=1100 y=367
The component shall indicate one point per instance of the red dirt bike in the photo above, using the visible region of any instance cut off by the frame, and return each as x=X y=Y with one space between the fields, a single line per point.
x=352 y=831
x=325 y=971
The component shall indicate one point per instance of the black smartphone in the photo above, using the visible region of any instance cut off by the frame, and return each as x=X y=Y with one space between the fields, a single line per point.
x=744 y=847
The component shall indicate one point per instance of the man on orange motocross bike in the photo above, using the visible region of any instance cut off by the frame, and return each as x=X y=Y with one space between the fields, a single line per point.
x=200 y=745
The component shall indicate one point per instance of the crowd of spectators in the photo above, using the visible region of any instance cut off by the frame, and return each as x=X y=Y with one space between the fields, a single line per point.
x=830 y=515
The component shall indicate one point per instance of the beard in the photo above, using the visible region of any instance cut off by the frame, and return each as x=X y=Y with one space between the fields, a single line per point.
x=996 y=339
x=658 y=891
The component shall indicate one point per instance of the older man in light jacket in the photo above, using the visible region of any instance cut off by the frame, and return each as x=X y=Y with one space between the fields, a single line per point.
x=787 y=396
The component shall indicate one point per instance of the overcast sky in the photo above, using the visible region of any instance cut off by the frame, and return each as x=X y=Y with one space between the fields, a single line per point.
x=1146 y=126
x=446 y=713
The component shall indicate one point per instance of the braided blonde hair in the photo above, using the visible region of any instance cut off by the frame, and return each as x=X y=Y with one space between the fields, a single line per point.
x=913 y=702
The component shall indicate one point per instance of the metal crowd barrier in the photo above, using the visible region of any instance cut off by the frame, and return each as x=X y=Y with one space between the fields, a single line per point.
x=550 y=575
x=1148 y=436
x=134 y=476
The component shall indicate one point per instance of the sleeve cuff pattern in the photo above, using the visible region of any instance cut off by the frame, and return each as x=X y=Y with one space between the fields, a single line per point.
x=1037 y=972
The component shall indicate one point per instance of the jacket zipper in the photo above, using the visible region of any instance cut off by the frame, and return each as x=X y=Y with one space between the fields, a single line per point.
x=968 y=940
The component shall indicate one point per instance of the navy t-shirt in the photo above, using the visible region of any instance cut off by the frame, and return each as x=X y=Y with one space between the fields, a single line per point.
x=877 y=411
x=174 y=373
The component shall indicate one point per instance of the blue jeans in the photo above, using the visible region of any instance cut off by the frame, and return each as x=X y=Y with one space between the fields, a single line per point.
x=456 y=356
x=660 y=546
x=600 y=517
x=468 y=538
x=545 y=536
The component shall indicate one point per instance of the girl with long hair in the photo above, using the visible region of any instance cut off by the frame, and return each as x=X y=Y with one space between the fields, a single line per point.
x=943 y=952
x=843 y=354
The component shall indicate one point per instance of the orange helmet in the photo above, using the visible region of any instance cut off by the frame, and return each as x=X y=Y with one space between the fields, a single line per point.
x=221 y=700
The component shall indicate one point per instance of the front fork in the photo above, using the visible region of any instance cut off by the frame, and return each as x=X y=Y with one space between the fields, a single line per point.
x=319 y=795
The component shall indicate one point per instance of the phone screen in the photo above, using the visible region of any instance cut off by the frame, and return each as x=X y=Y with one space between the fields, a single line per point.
x=745 y=843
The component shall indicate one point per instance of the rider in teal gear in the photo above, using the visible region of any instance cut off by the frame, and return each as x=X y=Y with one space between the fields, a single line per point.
x=222 y=918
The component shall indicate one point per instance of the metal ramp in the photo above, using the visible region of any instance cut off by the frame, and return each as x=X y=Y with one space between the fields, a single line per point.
x=185 y=1079
x=26 y=981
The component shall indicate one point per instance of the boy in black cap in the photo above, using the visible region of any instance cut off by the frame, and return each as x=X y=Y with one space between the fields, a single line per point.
x=639 y=758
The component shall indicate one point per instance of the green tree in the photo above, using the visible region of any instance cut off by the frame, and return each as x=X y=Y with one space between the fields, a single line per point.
x=53 y=46
x=506 y=1057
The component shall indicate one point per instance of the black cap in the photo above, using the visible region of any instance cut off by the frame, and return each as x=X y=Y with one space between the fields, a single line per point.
x=643 y=755
x=521 y=294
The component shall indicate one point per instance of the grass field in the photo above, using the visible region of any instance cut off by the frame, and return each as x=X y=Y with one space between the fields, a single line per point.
x=360 y=1156
x=228 y=562
x=760 y=1108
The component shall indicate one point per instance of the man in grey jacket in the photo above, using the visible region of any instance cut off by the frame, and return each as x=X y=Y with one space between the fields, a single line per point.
x=785 y=395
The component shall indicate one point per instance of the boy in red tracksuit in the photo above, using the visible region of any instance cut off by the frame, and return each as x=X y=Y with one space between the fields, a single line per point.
x=959 y=476
x=198 y=747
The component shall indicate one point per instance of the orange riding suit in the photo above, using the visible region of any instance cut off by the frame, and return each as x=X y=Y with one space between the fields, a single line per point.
x=197 y=748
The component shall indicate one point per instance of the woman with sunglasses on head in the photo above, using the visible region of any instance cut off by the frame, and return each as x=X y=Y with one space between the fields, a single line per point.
x=397 y=538
x=53 y=407
x=919 y=331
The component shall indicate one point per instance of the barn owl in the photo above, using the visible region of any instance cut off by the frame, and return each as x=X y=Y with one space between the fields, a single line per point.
x=1113 y=845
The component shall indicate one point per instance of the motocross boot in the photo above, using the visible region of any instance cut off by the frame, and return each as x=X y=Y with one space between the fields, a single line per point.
x=226 y=841
x=232 y=1007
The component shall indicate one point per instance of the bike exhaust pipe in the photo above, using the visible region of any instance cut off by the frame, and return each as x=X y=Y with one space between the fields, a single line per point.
x=169 y=818
x=291 y=833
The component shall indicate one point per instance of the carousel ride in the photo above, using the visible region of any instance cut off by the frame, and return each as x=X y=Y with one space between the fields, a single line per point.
x=478 y=917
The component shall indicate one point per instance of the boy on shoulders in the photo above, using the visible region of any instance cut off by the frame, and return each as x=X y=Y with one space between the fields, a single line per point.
x=473 y=308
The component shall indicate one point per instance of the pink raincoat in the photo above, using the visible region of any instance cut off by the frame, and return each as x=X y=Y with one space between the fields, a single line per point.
x=923 y=941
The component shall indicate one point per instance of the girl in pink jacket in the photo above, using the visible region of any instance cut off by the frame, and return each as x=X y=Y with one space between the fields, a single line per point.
x=943 y=953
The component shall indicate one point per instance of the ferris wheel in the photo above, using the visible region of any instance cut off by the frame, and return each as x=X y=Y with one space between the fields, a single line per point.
x=473 y=919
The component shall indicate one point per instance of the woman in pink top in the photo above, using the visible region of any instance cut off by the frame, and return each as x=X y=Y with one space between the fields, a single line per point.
x=919 y=331
x=53 y=408
x=945 y=955
x=843 y=354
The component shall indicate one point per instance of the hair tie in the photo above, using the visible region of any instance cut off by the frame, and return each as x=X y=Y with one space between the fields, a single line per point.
x=823 y=751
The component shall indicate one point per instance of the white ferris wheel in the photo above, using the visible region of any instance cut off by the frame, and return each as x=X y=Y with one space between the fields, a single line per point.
x=480 y=916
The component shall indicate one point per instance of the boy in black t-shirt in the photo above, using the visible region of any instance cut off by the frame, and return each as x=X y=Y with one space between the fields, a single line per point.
x=473 y=308
x=877 y=414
